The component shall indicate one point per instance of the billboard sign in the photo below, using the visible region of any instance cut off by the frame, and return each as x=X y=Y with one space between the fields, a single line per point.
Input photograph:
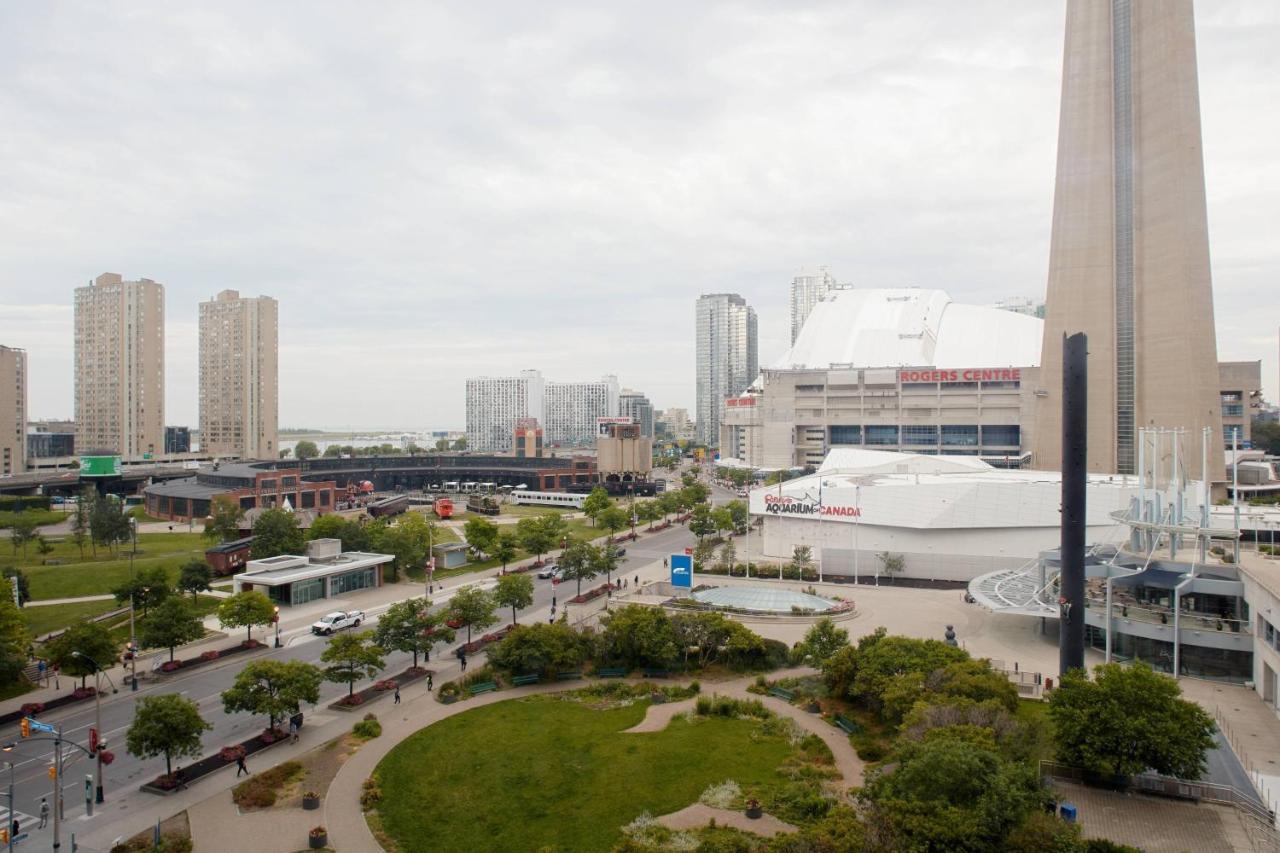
x=603 y=424
x=682 y=570
x=100 y=466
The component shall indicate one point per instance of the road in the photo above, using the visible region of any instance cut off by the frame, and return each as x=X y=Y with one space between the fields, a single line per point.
x=122 y=778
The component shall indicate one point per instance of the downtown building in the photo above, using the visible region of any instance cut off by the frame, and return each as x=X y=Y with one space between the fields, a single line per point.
x=727 y=357
x=570 y=410
x=494 y=406
x=239 y=376
x=13 y=411
x=635 y=405
x=119 y=366
x=806 y=292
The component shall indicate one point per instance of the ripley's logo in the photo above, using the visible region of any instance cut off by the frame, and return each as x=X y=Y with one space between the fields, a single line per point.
x=778 y=504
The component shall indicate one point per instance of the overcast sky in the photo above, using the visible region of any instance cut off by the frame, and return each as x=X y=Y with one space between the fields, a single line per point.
x=434 y=191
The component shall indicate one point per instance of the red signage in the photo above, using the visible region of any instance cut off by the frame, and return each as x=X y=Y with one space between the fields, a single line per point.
x=972 y=374
x=688 y=552
x=779 y=504
x=740 y=401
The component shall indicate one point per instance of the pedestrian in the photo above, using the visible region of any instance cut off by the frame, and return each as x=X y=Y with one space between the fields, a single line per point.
x=553 y=602
x=44 y=813
x=241 y=767
x=14 y=829
x=464 y=662
x=397 y=702
x=180 y=777
x=664 y=562
x=42 y=669
x=430 y=682
x=293 y=731
x=57 y=671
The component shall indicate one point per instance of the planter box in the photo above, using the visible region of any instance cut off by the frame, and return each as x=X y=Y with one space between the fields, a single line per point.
x=476 y=646
x=591 y=594
x=370 y=694
x=185 y=664
x=310 y=803
x=198 y=770
x=51 y=705
x=318 y=842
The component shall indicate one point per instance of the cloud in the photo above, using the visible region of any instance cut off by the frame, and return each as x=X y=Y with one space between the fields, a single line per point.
x=437 y=191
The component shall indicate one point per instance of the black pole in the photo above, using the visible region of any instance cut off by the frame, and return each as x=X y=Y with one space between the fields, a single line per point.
x=1075 y=387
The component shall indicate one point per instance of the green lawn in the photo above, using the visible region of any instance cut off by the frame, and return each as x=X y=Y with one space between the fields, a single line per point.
x=41 y=516
x=95 y=576
x=42 y=620
x=521 y=510
x=545 y=774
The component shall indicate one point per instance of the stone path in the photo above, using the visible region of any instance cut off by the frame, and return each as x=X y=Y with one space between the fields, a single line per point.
x=657 y=717
x=216 y=824
x=698 y=815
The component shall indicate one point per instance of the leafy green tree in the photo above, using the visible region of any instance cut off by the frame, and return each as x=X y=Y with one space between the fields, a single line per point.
x=460 y=444
x=472 y=607
x=514 y=591
x=739 y=515
x=147 y=588
x=481 y=534
x=703 y=551
x=700 y=523
x=223 y=523
x=353 y=535
x=605 y=560
x=668 y=503
x=352 y=657
x=246 y=609
x=894 y=661
x=595 y=503
x=79 y=521
x=613 y=519
x=728 y=556
x=108 y=525
x=505 y=548
x=1266 y=435
x=802 y=559
x=24 y=586
x=168 y=725
x=171 y=624
x=276 y=532
x=647 y=512
x=638 y=636
x=408 y=539
x=534 y=537
x=702 y=634
x=540 y=648
x=90 y=639
x=14 y=638
x=695 y=493
x=1127 y=720
x=722 y=519
x=442 y=445
x=306 y=450
x=821 y=642
x=578 y=562
x=410 y=626
x=22 y=532
x=276 y=688
x=333 y=451
x=195 y=577
x=555 y=527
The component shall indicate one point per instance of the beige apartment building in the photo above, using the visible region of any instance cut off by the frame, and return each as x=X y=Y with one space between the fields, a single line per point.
x=1241 y=391
x=119 y=366
x=239 y=376
x=13 y=411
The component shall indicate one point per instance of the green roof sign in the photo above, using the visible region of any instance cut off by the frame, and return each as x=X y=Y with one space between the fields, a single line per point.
x=99 y=466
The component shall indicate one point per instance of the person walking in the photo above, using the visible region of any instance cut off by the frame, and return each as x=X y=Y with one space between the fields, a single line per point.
x=42 y=672
x=463 y=659
x=241 y=767
x=664 y=565
x=430 y=682
x=13 y=828
x=397 y=701
x=44 y=813
x=57 y=671
x=293 y=731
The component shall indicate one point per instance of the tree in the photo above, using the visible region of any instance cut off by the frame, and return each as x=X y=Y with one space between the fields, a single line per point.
x=285 y=453
x=410 y=626
x=168 y=725
x=578 y=562
x=613 y=519
x=540 y=648
x=22 y=532
x=595 y=503
x=1129 y=719
x=24 y=586
x=306 y=450
x=739 y=515
x=892 y=564
x=605 y=561
x=481 y=534
x=700 y=523
x=276 y=688
x=333 y=451
x=472 y=607
x=90 y=639
x=728 y=556
x=80 y=525
x=223 y=523
x=276 y=532
x=555 y=527
x=639 y=636
x=722 y=519
x=533 y=536
x=195 y=577
x=408 y=540
x=108 y=525
x=147 y=588
x=802 y=559
x=246 y=609
x=821 y=642
x=442 y=445
x=352 y=657
x=505 y=549
x=514 y=591
x=14 y=638
x=460 y=444
x=647 y=512
x=173 y=623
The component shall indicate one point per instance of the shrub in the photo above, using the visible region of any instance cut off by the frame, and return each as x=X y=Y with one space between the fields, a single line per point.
x=30 y=709
x=370 y=794
x=386 y=684
x=351 y=701
x=212 y=654
x=171 y=665
x=727 y=706
x=231 y=753
x=260 y=791
x=367 y=729
x=481 y=675
x=725 y=795
x=83 y=693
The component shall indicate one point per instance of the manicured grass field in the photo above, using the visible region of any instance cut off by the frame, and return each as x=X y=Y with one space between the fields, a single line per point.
x=95 y=576
x=540 y=773
x=42 y=620
x=521 y=510
x=40 y=516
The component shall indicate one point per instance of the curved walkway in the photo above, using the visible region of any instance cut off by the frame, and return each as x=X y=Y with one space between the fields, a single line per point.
x=349 y=832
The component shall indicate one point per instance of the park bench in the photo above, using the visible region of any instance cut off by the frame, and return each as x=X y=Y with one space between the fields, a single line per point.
x=845 y=724
x=522 y=680
x=782 y=693
x=656 y=673
x=616 y=672
x=568 y=676
x=482 y=687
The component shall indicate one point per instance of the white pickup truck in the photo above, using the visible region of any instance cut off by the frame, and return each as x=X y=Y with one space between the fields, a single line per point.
x=337 y=620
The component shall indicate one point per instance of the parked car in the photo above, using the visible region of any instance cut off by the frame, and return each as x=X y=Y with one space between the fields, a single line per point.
x=548 y=570
x=336 y=621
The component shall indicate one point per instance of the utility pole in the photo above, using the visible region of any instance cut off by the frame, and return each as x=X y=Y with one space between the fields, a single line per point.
x=133 y=594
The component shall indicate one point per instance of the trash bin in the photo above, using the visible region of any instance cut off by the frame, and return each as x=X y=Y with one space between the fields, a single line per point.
x=1068 y=812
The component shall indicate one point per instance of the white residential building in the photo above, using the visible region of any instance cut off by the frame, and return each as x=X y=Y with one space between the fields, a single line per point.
x=494 y=404
x=806 y=292
x=727 y=357
x=570 y=409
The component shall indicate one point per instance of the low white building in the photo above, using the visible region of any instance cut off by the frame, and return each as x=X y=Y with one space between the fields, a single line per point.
x=325 y=572
x=949 y=517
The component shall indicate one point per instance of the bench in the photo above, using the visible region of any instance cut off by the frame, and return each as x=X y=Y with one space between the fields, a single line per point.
x=845 y=724
x=612 y=673
x=782 y=693
x=522 y=680
x=482 y=687
x=656 y=673
x=568 y=676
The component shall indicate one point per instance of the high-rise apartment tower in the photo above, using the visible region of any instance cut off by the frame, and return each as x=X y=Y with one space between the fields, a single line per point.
x=1129 y=254
x=570 y=409
x=727 y=357
x=495 y=404
x=13 y=410
x=806 y=292
x=119 y=366
x=635 y=405
x=239 y=376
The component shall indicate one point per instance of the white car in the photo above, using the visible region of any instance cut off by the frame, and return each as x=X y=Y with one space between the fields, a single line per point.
x=336 y=621
x=548 y=571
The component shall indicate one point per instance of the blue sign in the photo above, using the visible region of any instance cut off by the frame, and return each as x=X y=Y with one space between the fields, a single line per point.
x=682 y=570
x=37 y=726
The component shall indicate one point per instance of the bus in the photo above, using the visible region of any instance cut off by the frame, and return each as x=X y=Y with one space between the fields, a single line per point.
x=562 y=499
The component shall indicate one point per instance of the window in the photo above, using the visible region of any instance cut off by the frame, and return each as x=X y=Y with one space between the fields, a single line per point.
x=1001 y=384
x=1232 y=410
x=882 y=435
x=267 y=485
x=1001 y=436
x=960 y=436
x=846 y=435
x=307 y=500
x=324 y=498
x=808 y=389
x=920 y=434
x=352 y=581
x=288 y=482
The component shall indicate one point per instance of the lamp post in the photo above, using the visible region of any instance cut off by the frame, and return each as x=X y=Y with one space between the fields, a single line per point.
x=96 y=745
x=276 y=619
x=133 y=594
x=9 y=823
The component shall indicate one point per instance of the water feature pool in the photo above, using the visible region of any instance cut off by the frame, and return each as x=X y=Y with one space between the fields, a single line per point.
x=762 y=599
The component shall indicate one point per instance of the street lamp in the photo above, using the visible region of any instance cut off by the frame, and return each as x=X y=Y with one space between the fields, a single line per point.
x=97 y=744
x=133 y=637
x=276 y=619
x=9 y=823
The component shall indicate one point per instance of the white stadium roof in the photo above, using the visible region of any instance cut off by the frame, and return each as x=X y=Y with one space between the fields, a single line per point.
x=910 y=327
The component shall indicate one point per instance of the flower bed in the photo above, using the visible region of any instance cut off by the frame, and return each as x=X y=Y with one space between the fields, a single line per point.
x=591 y=594
x=662 y=526
x=194 y=772
x=626 y=537
x=475 y=646
x=31 y=709
x=380 y=688
x=210 y=656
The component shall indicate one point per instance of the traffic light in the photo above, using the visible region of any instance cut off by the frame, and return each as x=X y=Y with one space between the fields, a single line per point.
x=53 y=772
x=93 y=741
x=25 y=726
x=4 y=836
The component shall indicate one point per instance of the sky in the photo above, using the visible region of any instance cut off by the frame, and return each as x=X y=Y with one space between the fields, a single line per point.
x=437 y=191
